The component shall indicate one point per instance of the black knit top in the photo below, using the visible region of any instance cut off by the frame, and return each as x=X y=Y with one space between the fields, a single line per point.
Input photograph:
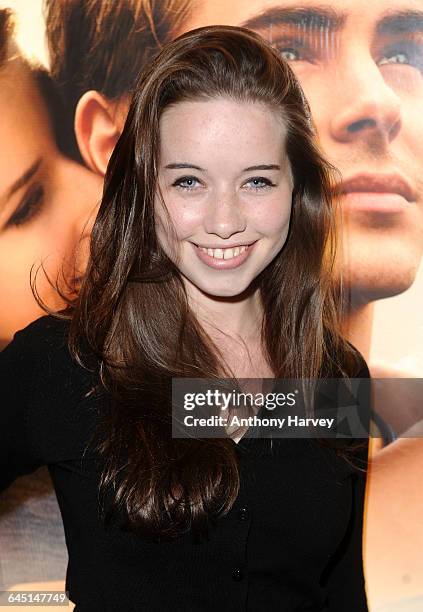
x=292 y=541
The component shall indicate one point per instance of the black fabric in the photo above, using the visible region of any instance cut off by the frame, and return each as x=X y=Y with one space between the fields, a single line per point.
x=291 y=542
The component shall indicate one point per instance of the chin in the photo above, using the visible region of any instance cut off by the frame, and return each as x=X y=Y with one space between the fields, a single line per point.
x=369 y=285
x=222 y=292
x=226 y=288
x=374 y=274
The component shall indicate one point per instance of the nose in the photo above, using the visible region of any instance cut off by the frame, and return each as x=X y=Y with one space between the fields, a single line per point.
x=366 y=107
x=224 y=216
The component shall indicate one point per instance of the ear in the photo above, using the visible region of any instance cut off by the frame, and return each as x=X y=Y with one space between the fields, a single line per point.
x=97 y=129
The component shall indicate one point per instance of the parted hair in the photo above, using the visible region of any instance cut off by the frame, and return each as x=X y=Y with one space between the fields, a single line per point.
x=133 y=314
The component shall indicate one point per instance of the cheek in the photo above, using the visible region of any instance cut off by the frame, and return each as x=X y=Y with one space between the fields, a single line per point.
x=405 y=80
x=15 y=262
x=185 y=219
x=320 y=96
x=17 y=304
x=273 y=218
x=17 y=254
x=412 y=131
x=20 y=247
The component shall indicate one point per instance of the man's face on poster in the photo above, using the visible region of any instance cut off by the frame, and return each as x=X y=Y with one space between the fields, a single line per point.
x=361 y=66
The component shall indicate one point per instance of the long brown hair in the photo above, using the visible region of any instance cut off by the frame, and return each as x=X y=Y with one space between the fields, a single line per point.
x=132 y=310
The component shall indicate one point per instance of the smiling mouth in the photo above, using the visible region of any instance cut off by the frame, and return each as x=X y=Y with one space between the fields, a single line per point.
x=226 y=252
x=229 y=253
x=224 y=259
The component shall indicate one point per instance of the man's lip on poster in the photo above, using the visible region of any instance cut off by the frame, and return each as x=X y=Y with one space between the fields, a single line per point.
x=387 y=192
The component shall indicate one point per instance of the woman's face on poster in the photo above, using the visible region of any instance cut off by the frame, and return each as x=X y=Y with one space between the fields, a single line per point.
x=44 y=199
x=360 y=64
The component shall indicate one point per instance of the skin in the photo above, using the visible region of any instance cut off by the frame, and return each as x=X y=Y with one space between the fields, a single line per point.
x=224 y=203
x=364 y=85
x=365 y=94
x=393 y=535
x=42 y=219
x=365 y=90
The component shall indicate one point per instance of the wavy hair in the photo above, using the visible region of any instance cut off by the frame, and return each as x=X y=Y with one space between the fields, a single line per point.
x=133 y=313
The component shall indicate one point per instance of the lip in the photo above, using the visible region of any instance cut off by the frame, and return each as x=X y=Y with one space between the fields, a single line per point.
x=224 y=264
x=388 y=192
x=225 y=246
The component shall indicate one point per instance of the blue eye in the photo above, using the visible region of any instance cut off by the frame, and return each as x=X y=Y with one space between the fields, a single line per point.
x=29 y=207
x=259 y=183
x=186 y=182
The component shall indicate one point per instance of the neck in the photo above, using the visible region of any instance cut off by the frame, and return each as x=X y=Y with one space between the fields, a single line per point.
x=357 y=327
x=234 y=317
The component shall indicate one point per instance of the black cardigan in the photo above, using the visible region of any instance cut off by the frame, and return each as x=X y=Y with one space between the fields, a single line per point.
x=292 y=541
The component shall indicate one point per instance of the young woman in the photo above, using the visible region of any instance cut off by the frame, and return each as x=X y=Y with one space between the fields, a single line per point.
x=211 y=257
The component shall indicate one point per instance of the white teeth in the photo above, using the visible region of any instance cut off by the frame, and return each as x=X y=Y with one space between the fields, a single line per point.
x=224 y=253
x=228 y=253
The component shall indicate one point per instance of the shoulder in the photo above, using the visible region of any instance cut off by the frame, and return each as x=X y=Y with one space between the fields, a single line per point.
x=360 y=368
x=30 y=344
x=47 y=330
x=47 y=391
x=37 y=342
x=352 y=399
x=353 y=362
x=37 y=354
x=341 y=358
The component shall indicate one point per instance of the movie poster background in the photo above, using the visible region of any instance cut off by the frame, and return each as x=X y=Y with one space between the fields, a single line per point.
x=394 y=327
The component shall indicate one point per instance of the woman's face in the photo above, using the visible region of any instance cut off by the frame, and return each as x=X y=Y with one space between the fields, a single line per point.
x=44 y=199
x=226 y=181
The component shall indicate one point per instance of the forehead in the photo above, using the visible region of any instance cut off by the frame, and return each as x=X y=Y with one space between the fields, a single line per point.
x=379 y=15
x=218 y=127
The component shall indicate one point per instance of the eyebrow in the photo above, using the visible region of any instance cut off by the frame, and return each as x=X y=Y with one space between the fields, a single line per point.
x=25 y=177
x=179 y=166
x=315 y=17
x=398 y=22
x=182 y=165
x=262 y=167
x=318 y=17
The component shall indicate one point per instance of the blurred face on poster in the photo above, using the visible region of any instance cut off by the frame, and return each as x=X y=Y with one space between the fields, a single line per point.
x=40 y=218
x=360 y=64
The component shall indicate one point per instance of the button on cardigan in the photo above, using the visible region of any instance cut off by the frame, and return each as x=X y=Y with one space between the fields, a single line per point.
x=291 y=542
